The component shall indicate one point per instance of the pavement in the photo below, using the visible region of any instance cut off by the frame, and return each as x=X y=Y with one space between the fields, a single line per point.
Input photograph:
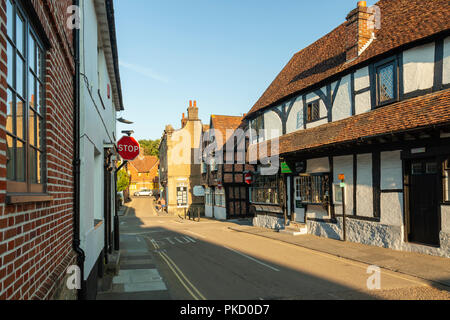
x=165 y=257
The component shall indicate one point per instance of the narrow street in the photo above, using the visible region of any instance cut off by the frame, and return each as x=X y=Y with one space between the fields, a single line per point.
x=208 y=261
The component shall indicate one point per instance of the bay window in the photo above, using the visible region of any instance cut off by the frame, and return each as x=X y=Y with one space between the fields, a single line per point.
x=265 y=190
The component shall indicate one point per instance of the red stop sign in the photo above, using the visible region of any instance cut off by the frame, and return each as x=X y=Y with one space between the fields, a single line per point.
x=128 y=148
x=248 y=178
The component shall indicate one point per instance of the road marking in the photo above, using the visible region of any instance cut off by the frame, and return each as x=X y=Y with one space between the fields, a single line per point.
x=156 y=245
x=179 y=240
x=171 y=242
x=184 y=277
x=137 y=238
x=196 y=234
x=189 y=239
x=253 y=259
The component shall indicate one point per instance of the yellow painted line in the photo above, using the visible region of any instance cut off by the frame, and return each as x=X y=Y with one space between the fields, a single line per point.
x=187 y=280
x=176 y=274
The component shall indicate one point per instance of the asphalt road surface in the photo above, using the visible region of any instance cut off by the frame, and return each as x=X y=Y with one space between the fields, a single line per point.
x=208 y=261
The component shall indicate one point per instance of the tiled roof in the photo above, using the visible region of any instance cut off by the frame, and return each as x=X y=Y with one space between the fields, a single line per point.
x=144 y=164
x=402 y=22
x=424 y=111
x=225 y=125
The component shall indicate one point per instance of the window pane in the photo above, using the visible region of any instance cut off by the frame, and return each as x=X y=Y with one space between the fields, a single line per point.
x=40 y=61
x=31 y=91
x=386 y=79
x=20 y=119
x=31 y=52
x=20 y=76
x=39 y=167
x=20 y=161
x=39 y=98
x=10 y=161
x=20 y=28
x=32 y=127
x=32 y=160
x=10 y=18
x=9 y=112
x=10 y=64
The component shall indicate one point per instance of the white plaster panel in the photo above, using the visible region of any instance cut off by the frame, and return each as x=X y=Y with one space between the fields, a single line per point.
x=317 y=212
x=220 y=213
x=208 y=211
x=445 y=219
x=446 y=72
x=291 y=124
x=418 y=67
x=392 y=208
x=318 y=165
x=362 y=79
x=391 y=171
x=272 y=125
x=342 y=107
x=92 y=247
x=316 y=123
x=344 y=165
x=363 y=102
x=364 y=190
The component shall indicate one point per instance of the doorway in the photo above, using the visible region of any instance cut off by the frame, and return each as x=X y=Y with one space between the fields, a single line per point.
x=424 y=197
x=299 y=210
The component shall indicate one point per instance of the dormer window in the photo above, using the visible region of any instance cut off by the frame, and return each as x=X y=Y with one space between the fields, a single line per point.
x=313 y=111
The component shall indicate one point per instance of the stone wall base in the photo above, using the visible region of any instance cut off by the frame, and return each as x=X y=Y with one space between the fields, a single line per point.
x=269 y=222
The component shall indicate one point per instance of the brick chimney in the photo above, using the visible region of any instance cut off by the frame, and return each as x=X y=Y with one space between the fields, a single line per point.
x=360 y=30
x=192 y=110
x=183 y=121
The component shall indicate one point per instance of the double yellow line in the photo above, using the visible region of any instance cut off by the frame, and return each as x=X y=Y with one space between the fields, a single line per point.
x=193 y=291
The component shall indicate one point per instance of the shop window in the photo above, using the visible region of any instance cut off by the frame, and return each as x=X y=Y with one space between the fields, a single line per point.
x=219 y=197
x=314 y=189
x=265 y=190
x=208 y=197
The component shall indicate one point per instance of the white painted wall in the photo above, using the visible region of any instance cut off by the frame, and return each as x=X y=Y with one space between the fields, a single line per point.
x=220 y=213
x=318 y=165
x=317 y=123
x=391 y=171
x=362 y=79
x=272 y=125
x=446 y=74
x=445 y=219
x=418 y=67
x=291 y=124
x=208 y=211
x=392 y=208
x=363 y=102
x=344 y=165
x=342 y=107
x=98 y=126
x=364 y=190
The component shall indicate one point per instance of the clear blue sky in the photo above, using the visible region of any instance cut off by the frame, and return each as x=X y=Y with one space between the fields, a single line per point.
x=224 y=54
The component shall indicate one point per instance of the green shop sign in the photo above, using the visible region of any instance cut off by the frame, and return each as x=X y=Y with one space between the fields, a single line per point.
x=285 y=168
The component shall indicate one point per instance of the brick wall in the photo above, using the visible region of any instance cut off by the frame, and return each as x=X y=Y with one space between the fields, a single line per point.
x=36 y=238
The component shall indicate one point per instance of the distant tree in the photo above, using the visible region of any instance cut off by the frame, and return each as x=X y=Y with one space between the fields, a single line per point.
x=151 y=147
x=123 y=180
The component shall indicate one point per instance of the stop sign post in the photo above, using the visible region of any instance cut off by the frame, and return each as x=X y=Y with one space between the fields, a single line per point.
x=128 y=148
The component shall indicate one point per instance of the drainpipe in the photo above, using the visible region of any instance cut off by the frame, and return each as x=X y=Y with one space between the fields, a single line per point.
x=77 y=162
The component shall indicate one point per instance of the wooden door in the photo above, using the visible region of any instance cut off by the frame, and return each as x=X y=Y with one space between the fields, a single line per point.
x=424 y=202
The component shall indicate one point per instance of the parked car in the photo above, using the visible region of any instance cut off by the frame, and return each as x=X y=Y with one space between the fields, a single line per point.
x=143 y=193
x=120 y=198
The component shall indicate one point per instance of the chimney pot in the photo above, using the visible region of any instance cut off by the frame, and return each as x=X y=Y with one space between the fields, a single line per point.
x=362 y=4
x=195 y=104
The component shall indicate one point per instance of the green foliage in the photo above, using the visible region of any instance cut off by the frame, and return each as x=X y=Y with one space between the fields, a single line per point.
x=123 y=180
x=151 y=147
